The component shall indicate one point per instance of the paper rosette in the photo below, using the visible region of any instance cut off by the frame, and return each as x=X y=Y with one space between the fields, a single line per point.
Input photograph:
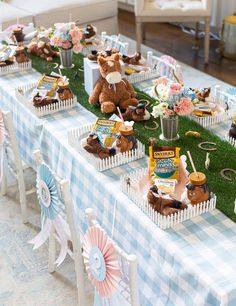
x=101 y=262
x=47 y=192
x=50 y=210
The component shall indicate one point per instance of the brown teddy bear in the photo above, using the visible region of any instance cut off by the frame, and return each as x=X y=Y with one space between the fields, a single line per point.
x=163 y=205
x=135 y=59
x=94 y=146
x=93 y=56
x=21 y=56
x=111 y=90
x=42 y=49
x=136 y=113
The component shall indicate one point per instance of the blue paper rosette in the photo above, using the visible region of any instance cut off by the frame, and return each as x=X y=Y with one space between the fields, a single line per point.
x=51 y=207
x=47 y=192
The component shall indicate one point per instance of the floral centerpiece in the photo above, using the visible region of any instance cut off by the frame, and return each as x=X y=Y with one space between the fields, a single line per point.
x=68 y=38
x=171 y=103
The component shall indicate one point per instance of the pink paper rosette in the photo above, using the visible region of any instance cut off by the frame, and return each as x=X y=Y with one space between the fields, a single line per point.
x=101 y=261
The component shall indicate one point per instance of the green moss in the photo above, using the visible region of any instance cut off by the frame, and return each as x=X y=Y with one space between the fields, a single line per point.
x=224 y=157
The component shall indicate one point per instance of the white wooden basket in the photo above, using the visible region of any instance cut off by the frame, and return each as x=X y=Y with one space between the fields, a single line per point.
x=75 y=137
x=161 y=221
x=107 y=42
x=220 y=97
x=158 y=67
x=43 y=110
x=15 y=68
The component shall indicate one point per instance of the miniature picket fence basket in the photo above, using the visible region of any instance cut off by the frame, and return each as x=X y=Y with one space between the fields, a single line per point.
x=161 y=221
x=21 y=92
x=222 y=99
x=107 y=42
x=158 y=67
x=231 y=140
x=16 y=67
x=75 y=137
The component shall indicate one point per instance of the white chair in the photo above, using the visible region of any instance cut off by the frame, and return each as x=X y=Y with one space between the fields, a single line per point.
x=12 y=162
x=65 y=230
x=127 y=291
x=173 y=11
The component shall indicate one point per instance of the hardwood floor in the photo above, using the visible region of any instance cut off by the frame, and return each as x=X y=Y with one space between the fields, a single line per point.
x=170 y=39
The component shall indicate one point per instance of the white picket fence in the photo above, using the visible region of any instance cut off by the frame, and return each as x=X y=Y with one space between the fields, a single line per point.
x=21 y=91
x=221 y=98
x=231 y=140
x=158 y=67
x=129 y=180
x=15 y=68
x=107 y=42
x=75 y=137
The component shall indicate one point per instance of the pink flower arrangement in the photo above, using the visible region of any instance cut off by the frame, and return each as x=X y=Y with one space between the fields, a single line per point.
x=170 y=99
x=175 y=89
x=184 y=107
x=66 y=36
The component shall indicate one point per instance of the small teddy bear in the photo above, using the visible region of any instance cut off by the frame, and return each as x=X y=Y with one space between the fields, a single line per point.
x=202 y=95
x=39 y=101
x=20 y=55
x=136 y=113
x=111 y=90
x=93 y=56
x=164 y=206
x=43 y=50
x=94 y=146
x=135 y=59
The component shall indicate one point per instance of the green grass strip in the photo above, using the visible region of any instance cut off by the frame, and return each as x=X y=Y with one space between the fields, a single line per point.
x=224 y=157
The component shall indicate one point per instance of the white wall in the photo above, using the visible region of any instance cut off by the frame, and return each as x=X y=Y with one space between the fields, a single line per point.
x=221 y=9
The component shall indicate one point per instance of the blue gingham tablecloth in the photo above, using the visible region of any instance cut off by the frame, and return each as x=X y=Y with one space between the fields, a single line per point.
x=193 y=264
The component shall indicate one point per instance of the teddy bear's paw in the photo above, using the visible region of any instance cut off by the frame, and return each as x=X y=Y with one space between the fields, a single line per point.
x=92 y=100
x=108 y=107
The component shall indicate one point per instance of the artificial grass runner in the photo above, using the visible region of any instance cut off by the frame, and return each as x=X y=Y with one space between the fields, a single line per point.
x=224 y=157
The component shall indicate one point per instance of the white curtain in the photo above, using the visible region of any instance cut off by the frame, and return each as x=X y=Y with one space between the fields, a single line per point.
x=221 y=9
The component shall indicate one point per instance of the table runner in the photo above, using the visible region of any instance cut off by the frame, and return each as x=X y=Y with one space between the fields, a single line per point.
x=193 y=264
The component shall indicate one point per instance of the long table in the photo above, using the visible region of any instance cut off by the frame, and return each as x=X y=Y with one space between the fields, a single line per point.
x=192 y=264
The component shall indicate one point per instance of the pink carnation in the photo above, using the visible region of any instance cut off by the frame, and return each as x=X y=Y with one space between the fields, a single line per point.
x=77 y=48
x=66 y=44
x=56 y=41
x=175 y=88
x=76 y=35
x=168 y=112
x=161 y=80
x=184 y=107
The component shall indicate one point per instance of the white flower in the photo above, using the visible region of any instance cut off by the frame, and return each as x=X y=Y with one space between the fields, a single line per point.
x=158 y=109
x=163 y=105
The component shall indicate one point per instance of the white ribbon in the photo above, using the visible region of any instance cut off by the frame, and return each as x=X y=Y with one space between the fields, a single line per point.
x=59 y=224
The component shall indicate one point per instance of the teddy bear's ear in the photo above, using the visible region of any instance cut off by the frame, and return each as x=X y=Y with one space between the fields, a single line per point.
x=116 y=57
x=101 y=60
